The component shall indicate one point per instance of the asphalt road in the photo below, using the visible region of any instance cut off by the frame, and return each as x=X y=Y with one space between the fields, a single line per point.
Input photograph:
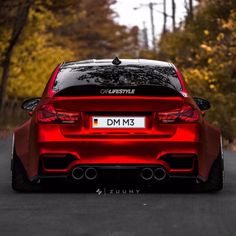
x=83 y=214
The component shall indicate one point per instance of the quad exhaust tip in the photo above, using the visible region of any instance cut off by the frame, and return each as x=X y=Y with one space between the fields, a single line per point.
x=77 y=173
x=146 y=173
x=160 y=174
x=90 y=173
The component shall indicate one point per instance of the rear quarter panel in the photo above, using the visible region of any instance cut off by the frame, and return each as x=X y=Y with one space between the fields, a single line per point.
x=211 y=147
x=22 y=142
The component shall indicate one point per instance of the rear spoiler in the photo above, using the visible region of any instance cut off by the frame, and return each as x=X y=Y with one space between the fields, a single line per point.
x=140 y=90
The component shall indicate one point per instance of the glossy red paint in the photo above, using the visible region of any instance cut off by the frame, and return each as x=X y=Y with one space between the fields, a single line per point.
x=41 y=138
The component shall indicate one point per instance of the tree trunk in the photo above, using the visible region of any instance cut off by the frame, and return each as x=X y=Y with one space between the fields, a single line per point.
x=173 y=15
x=165 y=16
x=18 y=26
x=145 y=37
x=191 y=9
x=153 y=26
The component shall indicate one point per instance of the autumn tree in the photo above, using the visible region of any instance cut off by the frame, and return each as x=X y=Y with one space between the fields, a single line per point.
x=205 y=51
x=92 y=32
x=58 y=31
x=18 y=25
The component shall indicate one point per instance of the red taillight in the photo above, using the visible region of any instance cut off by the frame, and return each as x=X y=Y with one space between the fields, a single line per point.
x=185 y=115
x=48 y=114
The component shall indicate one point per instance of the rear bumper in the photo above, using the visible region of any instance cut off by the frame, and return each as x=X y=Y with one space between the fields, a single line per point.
x=178 y=153
x=120 y=173
x=57 y=155
x=175 y=161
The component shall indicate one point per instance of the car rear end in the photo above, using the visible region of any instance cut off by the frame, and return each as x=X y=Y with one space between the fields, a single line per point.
x=101 y=120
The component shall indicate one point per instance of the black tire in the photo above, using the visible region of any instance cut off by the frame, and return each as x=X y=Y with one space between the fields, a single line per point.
x=215 y=180
x=20 y=181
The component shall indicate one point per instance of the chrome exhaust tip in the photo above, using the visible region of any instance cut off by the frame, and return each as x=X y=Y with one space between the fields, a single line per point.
x=146 y=173
x=160 y=174
x=91 y=173
x=77 y=173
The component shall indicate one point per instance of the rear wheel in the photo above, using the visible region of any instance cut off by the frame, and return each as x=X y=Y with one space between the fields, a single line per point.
x=20 y=181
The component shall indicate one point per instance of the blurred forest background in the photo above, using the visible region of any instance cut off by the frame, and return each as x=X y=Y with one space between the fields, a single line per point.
x=36 y=35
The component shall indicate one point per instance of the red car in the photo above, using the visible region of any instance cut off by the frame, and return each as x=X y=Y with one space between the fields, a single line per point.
x=100 y=118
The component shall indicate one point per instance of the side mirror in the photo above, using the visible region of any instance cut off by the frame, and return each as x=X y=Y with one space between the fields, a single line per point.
x=30 y=104
x=202 y=103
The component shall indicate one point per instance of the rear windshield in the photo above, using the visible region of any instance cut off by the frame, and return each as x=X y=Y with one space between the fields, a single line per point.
x=116 y=80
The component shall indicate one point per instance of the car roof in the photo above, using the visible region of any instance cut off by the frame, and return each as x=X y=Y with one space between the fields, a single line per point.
x=107 y=62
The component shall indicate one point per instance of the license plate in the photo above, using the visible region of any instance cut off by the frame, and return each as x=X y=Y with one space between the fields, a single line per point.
x=118 y=122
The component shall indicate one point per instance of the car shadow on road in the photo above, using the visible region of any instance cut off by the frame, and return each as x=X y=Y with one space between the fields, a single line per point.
x=118 y=188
